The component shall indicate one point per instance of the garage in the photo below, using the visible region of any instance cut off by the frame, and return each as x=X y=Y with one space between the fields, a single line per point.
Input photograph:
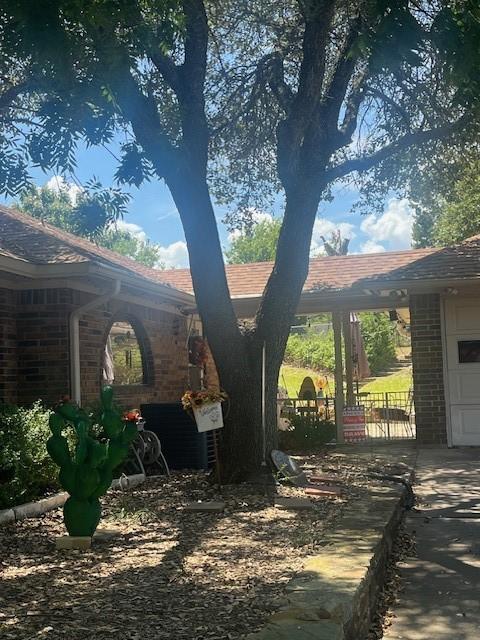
x=462 y=341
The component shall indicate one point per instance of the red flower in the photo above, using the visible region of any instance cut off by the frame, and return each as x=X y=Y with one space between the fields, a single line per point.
x=132 y=416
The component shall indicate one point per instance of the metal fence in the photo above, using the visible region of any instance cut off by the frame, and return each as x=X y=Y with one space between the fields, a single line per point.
x=388 y=415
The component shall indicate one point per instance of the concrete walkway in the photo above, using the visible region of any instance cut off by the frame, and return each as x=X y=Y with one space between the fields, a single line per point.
x=441 y=597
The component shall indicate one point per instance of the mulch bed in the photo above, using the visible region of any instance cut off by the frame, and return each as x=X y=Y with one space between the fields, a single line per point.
x=164 y=572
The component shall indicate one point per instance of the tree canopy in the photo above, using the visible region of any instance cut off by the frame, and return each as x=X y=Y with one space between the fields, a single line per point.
x=130 y=245
x=82 y=215
x=453 y=216
x=238 y=100
x=256 y=245
x=402 y=74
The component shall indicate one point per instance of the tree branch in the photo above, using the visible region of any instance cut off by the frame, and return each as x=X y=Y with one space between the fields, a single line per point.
x=276 y=81
x=291 y=132
x=337 y=88
x=352 y=108
x=196 y=41
x=376 y=93
x=142 y=113
x=190 y=92
x=366 y=162
x=167 y=67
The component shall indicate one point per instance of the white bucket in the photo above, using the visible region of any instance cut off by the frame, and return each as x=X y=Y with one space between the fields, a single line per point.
x=208 y=416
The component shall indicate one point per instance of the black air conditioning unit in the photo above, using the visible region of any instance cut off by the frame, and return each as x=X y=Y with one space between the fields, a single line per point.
x=182 y=445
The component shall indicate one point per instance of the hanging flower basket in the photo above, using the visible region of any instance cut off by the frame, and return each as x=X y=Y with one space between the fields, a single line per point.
x=206 y=407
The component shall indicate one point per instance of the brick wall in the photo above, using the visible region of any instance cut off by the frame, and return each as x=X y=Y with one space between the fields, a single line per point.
x=42 y=344
x=427 y=359
x=34 y=348
x=8 y=347
x=162 y=337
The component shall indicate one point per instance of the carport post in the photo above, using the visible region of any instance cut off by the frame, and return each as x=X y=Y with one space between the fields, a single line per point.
x=347 y=337
x=339 y=399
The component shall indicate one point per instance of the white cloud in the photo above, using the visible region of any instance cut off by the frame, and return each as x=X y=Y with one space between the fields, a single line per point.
x=261 y=216
x=393 y=226
x=132 y=228
x=233 y=235
x=324 y=227
x=370 y=246
x=58 y=183
x=168 y=214
x=174 y=255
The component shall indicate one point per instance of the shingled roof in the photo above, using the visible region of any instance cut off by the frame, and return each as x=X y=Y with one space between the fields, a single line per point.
x=460 y=262
x=326 y=273
x=36 y=242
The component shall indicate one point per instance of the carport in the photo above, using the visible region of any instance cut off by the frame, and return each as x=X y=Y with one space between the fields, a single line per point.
x=440 y=287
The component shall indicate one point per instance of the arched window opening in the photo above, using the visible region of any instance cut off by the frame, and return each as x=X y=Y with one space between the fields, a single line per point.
x=123 y=358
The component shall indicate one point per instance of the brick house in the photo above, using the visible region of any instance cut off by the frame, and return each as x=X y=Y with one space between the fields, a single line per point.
x=63 y=300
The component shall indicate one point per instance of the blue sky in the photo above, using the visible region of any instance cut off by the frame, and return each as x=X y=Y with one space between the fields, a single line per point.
x=152 y=214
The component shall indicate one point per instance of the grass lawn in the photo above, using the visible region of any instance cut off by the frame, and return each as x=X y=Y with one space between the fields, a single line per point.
x=398 y=381
x=292 y=378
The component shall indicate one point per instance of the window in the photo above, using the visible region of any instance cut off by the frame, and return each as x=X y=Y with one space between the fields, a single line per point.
x=468 y=351
x=123 y=358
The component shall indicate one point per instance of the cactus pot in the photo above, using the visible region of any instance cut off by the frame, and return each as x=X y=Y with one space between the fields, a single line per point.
x=81 y=516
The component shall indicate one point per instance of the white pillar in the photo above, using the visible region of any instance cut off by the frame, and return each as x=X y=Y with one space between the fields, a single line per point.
x=339 y=399
x=347 y=337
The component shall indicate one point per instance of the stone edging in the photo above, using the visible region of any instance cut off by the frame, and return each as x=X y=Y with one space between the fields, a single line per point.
x=334 y=597
x=39 y=507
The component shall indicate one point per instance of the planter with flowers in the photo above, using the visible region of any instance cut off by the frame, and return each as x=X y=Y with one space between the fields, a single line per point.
x=206 y=406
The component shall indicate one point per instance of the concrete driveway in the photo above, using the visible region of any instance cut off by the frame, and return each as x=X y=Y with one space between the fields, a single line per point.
x=441 y=597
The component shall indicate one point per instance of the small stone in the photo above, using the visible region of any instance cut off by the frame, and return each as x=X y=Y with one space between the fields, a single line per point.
x=325 y=490
x=294 y=504
x=44 y=631
x=210 y=507
x=322 y=478
x=7 y=516
x=73 y=543
x=106 y=534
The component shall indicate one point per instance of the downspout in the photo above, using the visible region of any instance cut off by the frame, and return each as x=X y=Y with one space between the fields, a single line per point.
x=75 y=385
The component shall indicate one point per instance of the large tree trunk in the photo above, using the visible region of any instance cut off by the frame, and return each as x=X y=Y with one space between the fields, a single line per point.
x=238 y=353
x=245 y=444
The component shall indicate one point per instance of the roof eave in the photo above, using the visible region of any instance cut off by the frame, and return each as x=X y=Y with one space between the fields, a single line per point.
x=20 y=267
x=418 y=284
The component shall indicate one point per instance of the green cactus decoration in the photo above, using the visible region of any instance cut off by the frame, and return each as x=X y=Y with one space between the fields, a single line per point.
x=89 y=473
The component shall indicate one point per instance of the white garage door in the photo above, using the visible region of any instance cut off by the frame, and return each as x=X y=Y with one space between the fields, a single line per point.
x=462 y=327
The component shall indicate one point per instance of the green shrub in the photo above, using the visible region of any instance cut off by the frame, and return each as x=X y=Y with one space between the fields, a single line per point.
x=311 y=350
x=26 y=469
x=307 y=432
x=317 y=351
x=378 y=336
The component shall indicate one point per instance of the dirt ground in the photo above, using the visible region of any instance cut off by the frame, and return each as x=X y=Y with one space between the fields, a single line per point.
x=158 y=571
